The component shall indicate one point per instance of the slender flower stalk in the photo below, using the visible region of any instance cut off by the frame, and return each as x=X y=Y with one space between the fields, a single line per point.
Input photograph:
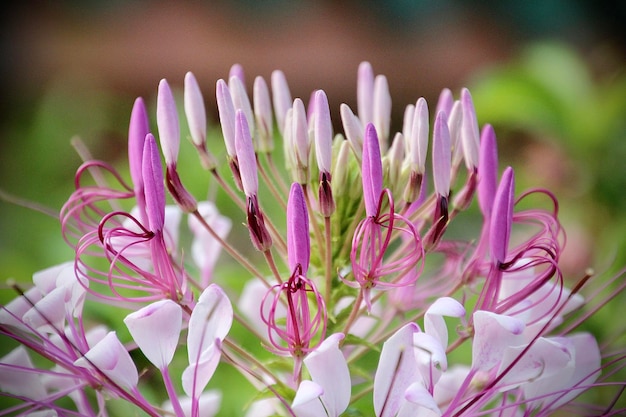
x=375 y=299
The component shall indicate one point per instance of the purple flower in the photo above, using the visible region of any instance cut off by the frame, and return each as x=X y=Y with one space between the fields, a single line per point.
x=305 y=317
x=422 y=320
x=374 y=235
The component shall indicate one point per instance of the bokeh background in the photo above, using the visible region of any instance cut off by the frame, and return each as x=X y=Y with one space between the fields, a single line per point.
x=549 y=75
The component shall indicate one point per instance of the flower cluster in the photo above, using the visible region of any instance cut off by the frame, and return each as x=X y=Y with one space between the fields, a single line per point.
x=358 y=292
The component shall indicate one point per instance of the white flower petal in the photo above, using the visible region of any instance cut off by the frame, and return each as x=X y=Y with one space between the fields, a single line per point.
x=397 y=369
x=493 y=333
x=156 y=329
x=329 y=369
x=111 y=358
x=434 y=324
x=14 y=379
x=210 y=320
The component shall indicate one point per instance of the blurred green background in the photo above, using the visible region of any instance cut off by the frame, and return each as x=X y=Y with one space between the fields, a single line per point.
x=549 y=75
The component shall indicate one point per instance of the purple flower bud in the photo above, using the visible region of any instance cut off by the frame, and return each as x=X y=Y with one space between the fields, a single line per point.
x=487 y=170
x=298 y=243
x=138 y=129
x=372 y=171
x=502 y=216
x=246 y=156
x=154 y=186
x=167 y=122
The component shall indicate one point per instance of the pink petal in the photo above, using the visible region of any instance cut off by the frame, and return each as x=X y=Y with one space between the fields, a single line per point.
x=49 y=313
x=572 y=380
x=450 y=383
x=205 y=249
x=306 y=402
x=111 y=358
x=264 y=408
x=210 y=320
x=209 y=404
x=12 y=314
x=493 y=333
x=430 y=356
x=46 y=279
x=156 y=329
x=329 y=369
x=434 y=324
x=418 y=398
x=75 y=287
x=16 y=379
x=198 y=374
x=397 y=370
x=545 y=358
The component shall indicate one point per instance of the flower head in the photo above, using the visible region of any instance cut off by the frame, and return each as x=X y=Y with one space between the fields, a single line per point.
x=421 y=320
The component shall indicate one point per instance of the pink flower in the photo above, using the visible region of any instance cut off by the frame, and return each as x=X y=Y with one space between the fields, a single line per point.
x=374 y=235
x=305 y=316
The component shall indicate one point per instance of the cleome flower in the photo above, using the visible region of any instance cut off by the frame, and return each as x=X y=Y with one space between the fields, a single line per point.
x=345 y=281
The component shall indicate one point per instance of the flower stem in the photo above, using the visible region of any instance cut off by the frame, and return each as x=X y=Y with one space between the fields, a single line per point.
x=329 y=260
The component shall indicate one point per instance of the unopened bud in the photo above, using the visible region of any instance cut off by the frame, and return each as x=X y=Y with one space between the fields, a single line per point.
x=181 y=196
x=261 y=239
x=325 y=195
